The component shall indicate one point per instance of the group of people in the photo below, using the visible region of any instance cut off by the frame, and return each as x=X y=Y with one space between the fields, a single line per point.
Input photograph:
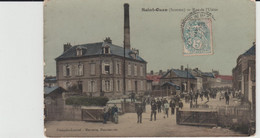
x=110 y=113
x=160 y=105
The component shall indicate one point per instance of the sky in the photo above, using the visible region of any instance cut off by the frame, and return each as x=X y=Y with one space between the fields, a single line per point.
x=157 y=35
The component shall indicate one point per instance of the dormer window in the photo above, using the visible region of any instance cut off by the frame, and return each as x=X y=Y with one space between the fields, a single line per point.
x=106 y=49
x=79 y=51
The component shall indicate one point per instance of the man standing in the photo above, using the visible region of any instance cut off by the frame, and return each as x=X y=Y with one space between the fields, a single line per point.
x=166 y=107
x=153 y=110
x=144 y=105
x=106 y=114
x=114 y=112
x=139 y=111
x=196 y=97
x=159 y=104
x=172 y=105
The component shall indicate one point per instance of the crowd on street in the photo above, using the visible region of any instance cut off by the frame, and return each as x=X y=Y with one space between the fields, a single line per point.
x=168 y=105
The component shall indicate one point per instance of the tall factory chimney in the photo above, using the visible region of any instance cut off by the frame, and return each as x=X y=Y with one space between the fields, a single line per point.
x=126 y=27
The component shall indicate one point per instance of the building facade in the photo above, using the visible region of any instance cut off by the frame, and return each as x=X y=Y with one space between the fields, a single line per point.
x=98 y=69
x=244 y=75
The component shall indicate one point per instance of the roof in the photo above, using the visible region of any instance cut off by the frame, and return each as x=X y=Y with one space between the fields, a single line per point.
x=48 y=90
x=50 y=79
x=180 y=73
x=154 y=78
x=224 y=77
x=208 y=74
x=91 y=49
x=250 y=51
x=172 y=84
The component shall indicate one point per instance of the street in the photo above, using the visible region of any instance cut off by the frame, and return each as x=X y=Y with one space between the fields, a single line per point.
x=128 y=126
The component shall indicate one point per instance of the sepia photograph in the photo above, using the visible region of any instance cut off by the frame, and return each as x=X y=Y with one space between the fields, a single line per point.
x=149 y=68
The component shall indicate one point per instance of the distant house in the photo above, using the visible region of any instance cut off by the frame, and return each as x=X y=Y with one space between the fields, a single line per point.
x=180 y=79
x=208 y=80
x=154 y=81
x=223 y=81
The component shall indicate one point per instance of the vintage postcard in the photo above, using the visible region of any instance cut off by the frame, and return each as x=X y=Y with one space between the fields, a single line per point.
x=133 y=68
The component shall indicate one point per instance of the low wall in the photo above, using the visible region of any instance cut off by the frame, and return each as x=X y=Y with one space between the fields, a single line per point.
x=57 y=110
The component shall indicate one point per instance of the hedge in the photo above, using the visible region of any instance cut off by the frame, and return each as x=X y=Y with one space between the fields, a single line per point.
x=87 y=101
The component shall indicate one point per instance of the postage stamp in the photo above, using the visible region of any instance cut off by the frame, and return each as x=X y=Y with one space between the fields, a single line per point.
x=197 y=34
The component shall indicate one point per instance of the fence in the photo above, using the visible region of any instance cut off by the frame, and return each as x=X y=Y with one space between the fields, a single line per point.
x=235 y=117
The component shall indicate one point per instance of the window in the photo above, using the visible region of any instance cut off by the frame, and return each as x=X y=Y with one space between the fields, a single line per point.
x=107 y=85
x=67 y=85
x=129 y=69
x=141 y=71
x=79 y=51
x=118 y=85
x=117 y=68
x=142 y=85
x=92 y=86
x=92 y=69
x=129 y=85
x=80 y=86
x=106 y=50
x=135 y=70
x=80 y=69
x=107 y=69
x=66 y=70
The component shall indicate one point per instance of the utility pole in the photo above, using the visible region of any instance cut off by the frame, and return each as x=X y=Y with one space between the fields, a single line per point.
x=187 y=78
x=100 y=76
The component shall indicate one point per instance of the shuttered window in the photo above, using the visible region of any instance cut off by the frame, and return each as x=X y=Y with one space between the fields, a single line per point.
x=80 y=69
x=129 y=85
x=92 y=69
x=118 y=68
x=129 y=69
x=135 y=70
x=141 y=71
x=142 y=85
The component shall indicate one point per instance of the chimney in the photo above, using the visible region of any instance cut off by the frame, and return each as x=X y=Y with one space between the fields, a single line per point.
x=181 y=67
x=160 y=72
x=66 y=47
x=126 y=26
x=151 y=72
x=108 y=40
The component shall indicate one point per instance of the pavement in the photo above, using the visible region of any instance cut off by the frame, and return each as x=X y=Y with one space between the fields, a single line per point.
x=128 y=126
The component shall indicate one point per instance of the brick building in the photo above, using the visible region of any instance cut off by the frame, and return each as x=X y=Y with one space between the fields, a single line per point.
x=98 y=68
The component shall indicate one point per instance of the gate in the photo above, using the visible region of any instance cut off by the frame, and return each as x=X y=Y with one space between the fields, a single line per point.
x=197 y=117
x=92 y=113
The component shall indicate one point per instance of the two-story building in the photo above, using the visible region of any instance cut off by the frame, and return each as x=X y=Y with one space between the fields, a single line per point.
x=98 y=68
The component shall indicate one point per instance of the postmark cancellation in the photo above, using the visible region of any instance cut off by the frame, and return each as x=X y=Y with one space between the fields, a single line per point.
x=197 y=34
